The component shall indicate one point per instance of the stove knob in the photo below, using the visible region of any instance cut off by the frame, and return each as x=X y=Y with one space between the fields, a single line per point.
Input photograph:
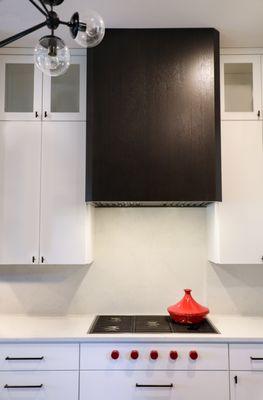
x=173 y=355
x=193 y=355
x=154 y=355
x=134 y=354
x=115 y=354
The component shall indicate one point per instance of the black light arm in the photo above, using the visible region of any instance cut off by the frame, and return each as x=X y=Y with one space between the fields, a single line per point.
x=22 y=34
x=44 y=6
x=38 y=7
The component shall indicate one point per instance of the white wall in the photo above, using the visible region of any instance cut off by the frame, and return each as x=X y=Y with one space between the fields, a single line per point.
x=143 y=259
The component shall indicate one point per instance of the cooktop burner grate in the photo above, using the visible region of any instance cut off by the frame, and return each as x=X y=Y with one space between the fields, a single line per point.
x=146 y=324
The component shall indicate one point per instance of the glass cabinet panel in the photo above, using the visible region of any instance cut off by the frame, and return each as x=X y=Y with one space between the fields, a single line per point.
x=238 y=87
x=19 y=88
x=65 y=91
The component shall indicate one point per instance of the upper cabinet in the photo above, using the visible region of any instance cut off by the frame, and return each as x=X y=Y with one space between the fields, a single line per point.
x=240 y=87
x=28 y=95
x=64 y=97
x=20 y=89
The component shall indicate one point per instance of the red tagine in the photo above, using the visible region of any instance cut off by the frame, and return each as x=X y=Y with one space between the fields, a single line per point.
x=188 y=311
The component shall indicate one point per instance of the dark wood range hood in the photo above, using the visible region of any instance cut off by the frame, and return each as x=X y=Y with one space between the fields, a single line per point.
x=153 y=118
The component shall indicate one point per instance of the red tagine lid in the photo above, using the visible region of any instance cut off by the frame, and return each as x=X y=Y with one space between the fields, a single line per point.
x=188 y=310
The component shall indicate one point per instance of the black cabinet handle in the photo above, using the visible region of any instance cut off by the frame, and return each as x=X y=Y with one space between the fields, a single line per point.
x=36 y=114
x=24 y=358
x=154 y=386
x=42 y=259
x=258 y=114
x=45 y=114
x=23 y=386
x=256 y=358
x=33 y=259
x=235 y=379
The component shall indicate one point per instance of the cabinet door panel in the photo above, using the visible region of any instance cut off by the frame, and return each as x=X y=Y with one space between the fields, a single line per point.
x=248 y=385
x=64 y=97
x=65 y=218
x=240 y=87
x=235 y=232
x=120 y=385
x=20 y=88
x=20 y=149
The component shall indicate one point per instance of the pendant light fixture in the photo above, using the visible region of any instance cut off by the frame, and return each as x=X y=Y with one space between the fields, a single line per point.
x=52 y=56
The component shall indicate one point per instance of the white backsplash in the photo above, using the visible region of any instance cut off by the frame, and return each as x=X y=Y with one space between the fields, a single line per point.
x=144 y=258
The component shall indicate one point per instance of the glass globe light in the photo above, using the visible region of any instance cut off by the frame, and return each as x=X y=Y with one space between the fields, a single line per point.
x=52 y=56
x=90 y=32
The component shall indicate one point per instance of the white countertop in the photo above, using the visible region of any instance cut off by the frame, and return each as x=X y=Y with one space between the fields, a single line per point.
x=74 y=328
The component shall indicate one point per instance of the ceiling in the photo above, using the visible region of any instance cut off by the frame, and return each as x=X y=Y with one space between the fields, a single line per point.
x=239 y=21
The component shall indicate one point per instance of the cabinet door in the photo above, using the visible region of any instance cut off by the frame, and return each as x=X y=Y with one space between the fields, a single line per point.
x=120 y=385
x=240 y=87
x=20 y=88
x=65 y=218
x=235 y=225
x=20 y=149
x=64 y=97
x=246 y=385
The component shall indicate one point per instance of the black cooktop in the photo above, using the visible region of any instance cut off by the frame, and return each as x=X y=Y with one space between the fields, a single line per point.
x=146 y=324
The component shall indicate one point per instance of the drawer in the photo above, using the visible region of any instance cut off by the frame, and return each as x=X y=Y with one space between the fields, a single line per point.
x=246 y=357
x=98 y=356
x=39 y=357
x=151 y=385
x=36 y=385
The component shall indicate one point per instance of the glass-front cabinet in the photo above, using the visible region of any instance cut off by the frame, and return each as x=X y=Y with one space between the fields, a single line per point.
x=28 y=95
x=240 y=87
x=20 y=88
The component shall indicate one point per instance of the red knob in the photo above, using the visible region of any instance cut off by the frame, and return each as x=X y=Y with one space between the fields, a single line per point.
x=173 y=355
x=193 y=355
x=154 y=355
x=134 y=354
x=115 y=354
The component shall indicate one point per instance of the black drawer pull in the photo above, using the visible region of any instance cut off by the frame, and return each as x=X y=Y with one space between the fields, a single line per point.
x=23 y=386
x=154 y=386
x=24 y=358
x=256 y=358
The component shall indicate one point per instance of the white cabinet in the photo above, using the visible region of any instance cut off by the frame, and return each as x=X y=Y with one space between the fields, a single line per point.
x=64 y=97
x=246 y=385
x=240 y=87
x=39 y=357
x=36 y=385
x=235 y=225
x=65 y=228
x=176 y=385
x=27 y=94
x=43 y=215
x=20 y=88
x=20 y=150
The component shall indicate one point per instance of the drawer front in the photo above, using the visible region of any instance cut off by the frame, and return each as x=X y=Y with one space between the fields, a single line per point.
x=246 y=357
x=246 y=385
x=39 y=357
x=168 y=385
x=36 y=385
x=98 y=356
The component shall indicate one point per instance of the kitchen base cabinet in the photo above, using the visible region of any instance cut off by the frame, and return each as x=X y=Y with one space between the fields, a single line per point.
x=131 y=385
x=246 y=385
x=44 y=385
